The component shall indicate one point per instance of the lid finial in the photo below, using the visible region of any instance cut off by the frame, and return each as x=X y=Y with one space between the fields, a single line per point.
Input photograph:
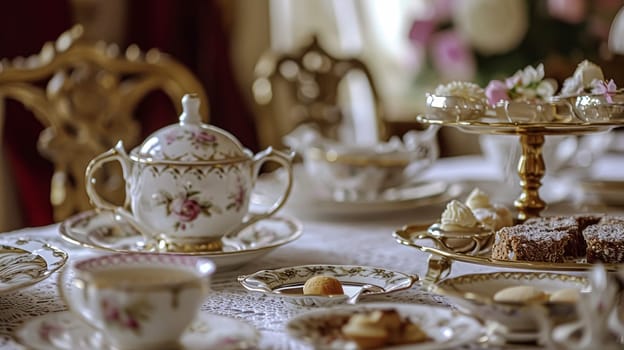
x=190 y=109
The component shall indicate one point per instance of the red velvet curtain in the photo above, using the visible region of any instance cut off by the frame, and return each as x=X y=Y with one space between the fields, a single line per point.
x=192 y=31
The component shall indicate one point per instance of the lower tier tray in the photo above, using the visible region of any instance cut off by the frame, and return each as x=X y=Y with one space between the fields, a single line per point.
x=415 y=235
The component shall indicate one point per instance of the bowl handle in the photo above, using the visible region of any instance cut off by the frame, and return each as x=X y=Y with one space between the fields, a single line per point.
x=119 y=154
x=284 y=159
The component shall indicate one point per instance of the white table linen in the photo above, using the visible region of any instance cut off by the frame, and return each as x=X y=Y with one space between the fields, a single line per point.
x=364 y=240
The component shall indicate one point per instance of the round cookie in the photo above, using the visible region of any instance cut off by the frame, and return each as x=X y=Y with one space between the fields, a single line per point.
x=322 y=285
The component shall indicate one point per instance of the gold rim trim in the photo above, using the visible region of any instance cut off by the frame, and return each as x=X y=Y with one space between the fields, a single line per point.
x=518 y=128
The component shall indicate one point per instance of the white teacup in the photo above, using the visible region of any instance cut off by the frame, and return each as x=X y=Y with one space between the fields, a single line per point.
x=138 y=301
x=190 y=183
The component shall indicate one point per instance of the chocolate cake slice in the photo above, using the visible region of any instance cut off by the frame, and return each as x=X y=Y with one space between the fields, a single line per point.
x=605 y=243
x=532 y=243
x=611 y=219
x=577 y=223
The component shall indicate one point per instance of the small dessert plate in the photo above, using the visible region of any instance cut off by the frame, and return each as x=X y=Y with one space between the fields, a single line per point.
x=445 y=329
x=474 y=293
x=64 y=330
x=26 y=261
x=109 y=232
x=287 y=283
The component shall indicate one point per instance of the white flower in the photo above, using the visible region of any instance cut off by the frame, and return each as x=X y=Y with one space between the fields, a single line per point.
x=461 y=89
x=532 y=75
x=546 y=88
x=586 y=72
x=529 y=84
x=492 y=26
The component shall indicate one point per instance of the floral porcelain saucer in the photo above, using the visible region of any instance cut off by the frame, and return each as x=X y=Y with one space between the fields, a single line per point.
x=308 y=200
x=474 y=294
x=64 y=330
x=106 y=231
x=26 y=261
x=445 y=329
x=287 y=283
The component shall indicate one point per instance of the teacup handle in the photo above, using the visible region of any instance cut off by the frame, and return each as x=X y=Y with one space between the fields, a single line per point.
x=119 y=154
x=284 y=159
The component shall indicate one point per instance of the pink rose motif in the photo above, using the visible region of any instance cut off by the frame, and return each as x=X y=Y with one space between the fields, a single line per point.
x=186 y=209
x=205 y=138
x=452 y=57
x=496 y=91
x=171 y=137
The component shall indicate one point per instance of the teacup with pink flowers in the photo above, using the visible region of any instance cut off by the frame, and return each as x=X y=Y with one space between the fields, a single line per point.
x=139 y=300
x=189 y=184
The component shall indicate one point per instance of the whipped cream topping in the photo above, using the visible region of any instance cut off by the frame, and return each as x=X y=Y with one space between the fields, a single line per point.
x=478 y=199
x=458 y=217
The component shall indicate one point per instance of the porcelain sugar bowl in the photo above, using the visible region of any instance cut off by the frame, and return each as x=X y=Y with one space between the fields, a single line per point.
x=189 y=183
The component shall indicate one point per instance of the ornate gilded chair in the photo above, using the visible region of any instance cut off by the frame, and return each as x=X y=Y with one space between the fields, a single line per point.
x=305 y=87
x=84 y=93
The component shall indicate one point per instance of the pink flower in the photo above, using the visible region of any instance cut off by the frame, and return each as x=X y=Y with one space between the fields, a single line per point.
x=571 y=11
x=602 y=87
x=171 y=137
x=204 y=137
x=421 y=31
x=452 y=57
x=496 y=91
x=186 y=209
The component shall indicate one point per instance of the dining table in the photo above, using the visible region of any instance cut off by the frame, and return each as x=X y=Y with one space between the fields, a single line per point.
x=354 y=238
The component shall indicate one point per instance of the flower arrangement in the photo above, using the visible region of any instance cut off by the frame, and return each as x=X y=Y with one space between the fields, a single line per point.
x=486 y=40
x=529 y=85
x=526 y=85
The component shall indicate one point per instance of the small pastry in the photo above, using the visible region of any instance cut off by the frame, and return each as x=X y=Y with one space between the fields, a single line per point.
x=367 y=335
x=567 y=295
x=478 y=199
x=492 y=216
x=520 y=294
x=322 y=285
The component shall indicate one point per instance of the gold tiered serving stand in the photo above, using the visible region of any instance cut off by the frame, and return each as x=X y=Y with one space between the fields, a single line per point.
x=532 y=123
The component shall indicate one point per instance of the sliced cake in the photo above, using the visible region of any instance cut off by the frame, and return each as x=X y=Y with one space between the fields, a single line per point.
x=532 y=243
x=605 y=243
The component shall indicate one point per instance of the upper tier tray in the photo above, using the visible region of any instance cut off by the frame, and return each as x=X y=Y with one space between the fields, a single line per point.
x=558 y=116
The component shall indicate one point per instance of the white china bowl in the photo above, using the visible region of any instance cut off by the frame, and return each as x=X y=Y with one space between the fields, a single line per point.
x=454 y=108
x=287 y=283
x=474 y=294
x=352 y=172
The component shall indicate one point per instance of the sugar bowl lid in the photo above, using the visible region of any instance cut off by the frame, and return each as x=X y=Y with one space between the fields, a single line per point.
x=190 y=141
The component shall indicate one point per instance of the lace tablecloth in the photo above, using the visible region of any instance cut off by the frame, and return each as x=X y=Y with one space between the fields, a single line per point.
x=359 y=240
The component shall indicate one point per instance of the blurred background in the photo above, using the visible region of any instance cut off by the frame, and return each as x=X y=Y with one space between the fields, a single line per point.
x=409 y=46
